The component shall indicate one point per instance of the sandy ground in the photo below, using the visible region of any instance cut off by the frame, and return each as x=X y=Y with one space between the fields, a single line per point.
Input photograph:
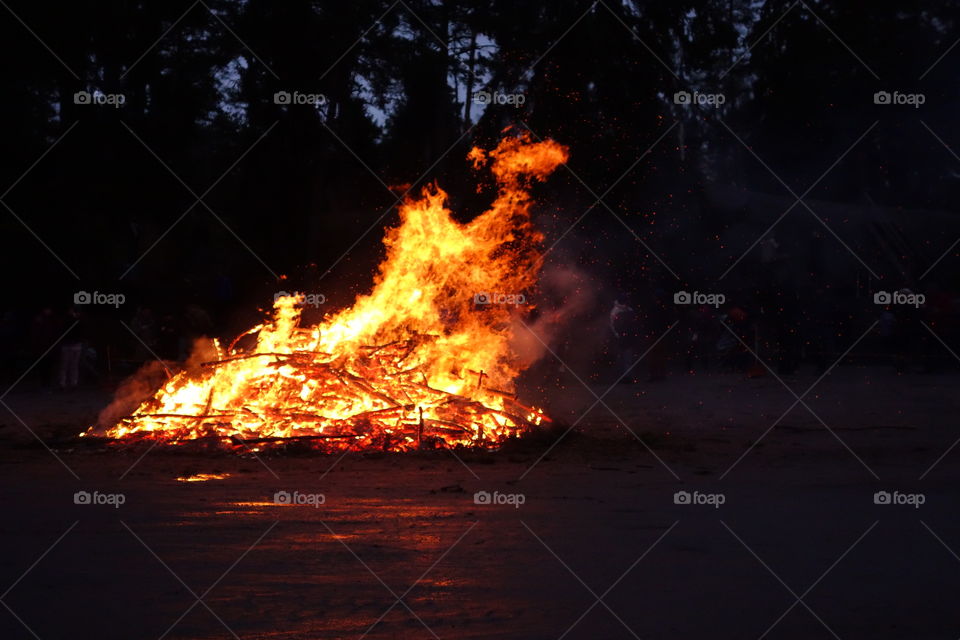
x=598 y=549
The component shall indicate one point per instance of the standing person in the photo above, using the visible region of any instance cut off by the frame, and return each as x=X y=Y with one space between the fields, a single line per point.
x=658 y=318
x=906 y=332
x=731 y=353
x=888 y=336
x=820 y=329
x=789 y=340
x=71 y=350
x=45 y=328
x=9 y=345
x=144 y=326
x=938 y=314
x=699 y=325
x=168 y=340
x=196 y=324
x=624 y=325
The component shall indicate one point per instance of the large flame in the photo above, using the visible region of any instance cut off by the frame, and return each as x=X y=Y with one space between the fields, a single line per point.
x=424 y=359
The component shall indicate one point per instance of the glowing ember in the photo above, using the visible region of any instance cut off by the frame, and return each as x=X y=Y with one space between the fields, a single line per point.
x=424 y=359
x=203 y=477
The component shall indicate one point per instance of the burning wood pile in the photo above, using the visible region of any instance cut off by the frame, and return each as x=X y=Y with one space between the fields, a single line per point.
x=426 y=359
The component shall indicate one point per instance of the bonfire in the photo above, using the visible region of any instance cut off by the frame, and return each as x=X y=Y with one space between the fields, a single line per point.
x=425 y=359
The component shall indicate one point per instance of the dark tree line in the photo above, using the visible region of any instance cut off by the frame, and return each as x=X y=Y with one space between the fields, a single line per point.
x=293 y=187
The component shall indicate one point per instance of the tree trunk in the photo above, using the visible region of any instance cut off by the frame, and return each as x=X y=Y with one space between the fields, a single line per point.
x=468 y=96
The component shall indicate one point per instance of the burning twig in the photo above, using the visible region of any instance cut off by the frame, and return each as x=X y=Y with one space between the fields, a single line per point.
x=247 y=356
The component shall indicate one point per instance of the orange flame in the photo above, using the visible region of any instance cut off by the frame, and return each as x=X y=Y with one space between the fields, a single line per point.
x=423 y=359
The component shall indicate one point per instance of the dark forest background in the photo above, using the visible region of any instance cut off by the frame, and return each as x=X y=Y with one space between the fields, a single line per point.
x=110 y=199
